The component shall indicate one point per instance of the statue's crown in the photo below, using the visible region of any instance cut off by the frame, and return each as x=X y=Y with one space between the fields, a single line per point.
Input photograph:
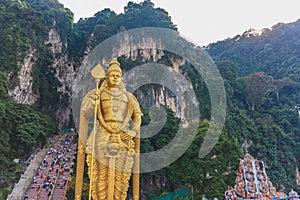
x=114 y=65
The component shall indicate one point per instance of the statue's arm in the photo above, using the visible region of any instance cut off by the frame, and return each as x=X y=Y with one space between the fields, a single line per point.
x=101 y=119
x=136 y=124
x=136 y=114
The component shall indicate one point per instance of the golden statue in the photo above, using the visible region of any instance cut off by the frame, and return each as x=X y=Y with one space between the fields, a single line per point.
x=113 y=146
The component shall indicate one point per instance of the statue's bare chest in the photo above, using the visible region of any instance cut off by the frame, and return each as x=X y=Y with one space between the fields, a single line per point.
x=113 y=106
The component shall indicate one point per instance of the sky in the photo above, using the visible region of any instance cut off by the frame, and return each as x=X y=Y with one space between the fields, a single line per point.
x=205 y=21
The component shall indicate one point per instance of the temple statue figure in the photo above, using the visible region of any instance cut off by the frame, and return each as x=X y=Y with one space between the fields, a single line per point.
x=252 y=180
x=112 y=148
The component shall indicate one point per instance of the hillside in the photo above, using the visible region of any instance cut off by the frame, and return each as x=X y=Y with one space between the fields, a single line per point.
x=261 y=74
x=274 y=51
x=29 y=96
x=266 y=89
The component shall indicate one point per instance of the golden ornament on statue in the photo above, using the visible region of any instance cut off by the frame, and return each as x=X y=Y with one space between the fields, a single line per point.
x=98 y=72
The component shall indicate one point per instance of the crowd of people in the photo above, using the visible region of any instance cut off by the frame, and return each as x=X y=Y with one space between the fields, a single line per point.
x=51 y=176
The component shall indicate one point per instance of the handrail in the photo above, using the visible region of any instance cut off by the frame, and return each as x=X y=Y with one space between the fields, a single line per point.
x=25 y=190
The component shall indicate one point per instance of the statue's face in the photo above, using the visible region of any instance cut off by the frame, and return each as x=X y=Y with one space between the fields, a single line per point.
x=114 y=78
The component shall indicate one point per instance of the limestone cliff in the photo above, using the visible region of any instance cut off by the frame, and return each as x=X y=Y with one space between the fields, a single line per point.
x=64 y=73
x=131 y=55
x=23 y=91
x=151 y=50
x=298 y=177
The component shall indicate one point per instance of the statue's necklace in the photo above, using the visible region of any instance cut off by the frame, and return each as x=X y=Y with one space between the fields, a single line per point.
x=116 y=100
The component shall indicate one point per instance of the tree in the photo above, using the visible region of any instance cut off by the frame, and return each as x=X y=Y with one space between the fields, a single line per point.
x=281 y=83
x=209 y=175
x=257 y=85
x=229 y=70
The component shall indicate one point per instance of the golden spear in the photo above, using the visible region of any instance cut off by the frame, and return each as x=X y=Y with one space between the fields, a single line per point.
x=98 y=73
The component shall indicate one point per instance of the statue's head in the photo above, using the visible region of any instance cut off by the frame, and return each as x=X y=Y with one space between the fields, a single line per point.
x=114 y=65
x=114 y=74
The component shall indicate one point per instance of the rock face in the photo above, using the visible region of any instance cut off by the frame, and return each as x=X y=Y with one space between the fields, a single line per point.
x=146 y=51
x=54 y=42
x=65 y=74
x=252 y=180
x=298 y=177
x=151 y=50
x=23 y=92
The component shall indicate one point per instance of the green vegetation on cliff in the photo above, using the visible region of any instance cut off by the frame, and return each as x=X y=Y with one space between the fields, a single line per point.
x=24 y=28
x=264 y=92
x=22 y=130
x=107 y=23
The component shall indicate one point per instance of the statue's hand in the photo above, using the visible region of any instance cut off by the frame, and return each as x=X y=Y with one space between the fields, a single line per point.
x=97 y=98
x=128 y=135
x=114 y=129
